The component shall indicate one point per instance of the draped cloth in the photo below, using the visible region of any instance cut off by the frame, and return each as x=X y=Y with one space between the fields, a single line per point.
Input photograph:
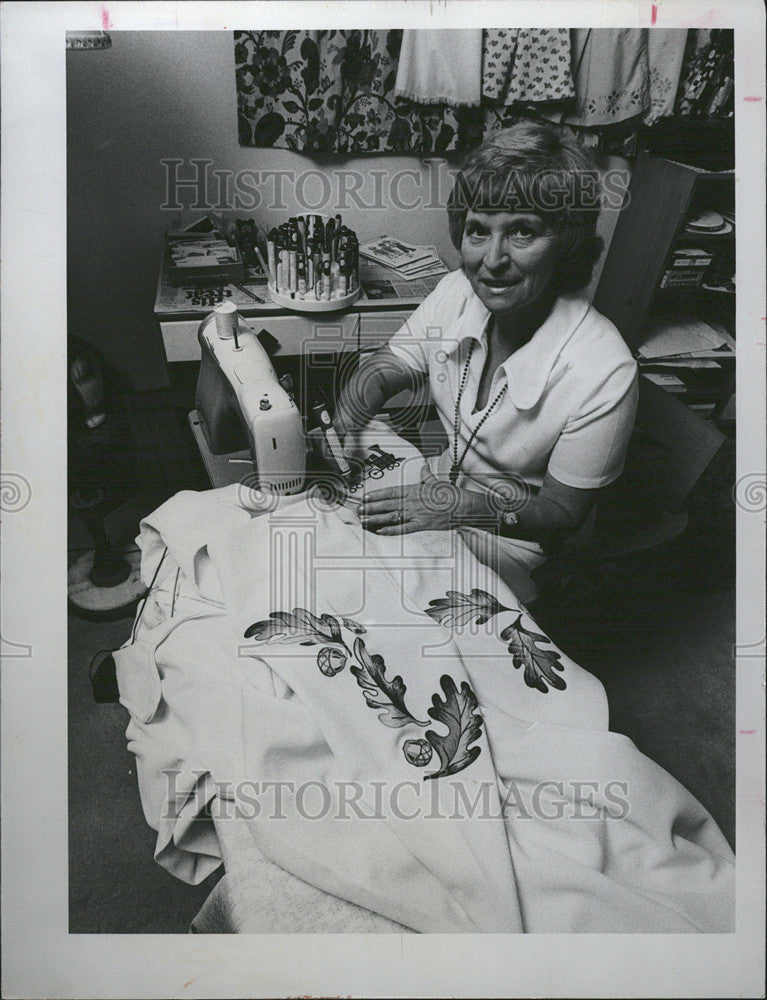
x=437 y=90
x=527 y=65
x=709 y=54
x=499 y=46
x=542 y=70
x=612 y=75
x=300 y=650
x=665 y=54
x=440 y=66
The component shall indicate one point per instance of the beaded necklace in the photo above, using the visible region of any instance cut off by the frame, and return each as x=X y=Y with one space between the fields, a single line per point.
x=455 y=468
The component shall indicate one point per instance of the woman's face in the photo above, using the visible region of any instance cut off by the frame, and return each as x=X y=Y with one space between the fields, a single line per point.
x=509 y=258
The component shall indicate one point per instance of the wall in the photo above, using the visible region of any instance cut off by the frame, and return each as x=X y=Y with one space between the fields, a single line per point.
x=161 y=95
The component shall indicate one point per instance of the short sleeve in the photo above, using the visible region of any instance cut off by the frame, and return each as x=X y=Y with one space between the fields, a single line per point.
x=414 y=341
x=591 y=449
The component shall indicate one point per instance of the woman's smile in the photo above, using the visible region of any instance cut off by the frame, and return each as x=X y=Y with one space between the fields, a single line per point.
x=499 y=285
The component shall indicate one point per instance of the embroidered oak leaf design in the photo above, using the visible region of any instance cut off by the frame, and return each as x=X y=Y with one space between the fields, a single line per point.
x=354 y=626
x=464 y=727
x=380 y=691
x=296 y=626
x=540 y=665
x=458 y=609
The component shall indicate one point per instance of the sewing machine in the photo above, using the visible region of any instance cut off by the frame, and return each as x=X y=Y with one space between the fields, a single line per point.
x=243 y=408
x=247 y=425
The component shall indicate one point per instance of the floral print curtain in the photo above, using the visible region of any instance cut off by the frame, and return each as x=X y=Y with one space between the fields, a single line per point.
x=334 y=92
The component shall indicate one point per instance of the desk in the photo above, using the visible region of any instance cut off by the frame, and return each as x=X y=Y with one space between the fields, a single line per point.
x=384 y=306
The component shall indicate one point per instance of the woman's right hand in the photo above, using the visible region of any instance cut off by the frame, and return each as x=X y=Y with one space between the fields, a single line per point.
x=378 y=378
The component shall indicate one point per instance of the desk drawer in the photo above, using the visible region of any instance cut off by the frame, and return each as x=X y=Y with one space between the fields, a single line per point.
x=179 y=338
x=296 y=335
x=376 y=329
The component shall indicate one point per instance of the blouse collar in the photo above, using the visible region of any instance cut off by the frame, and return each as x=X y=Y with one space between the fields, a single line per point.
x=528 y=368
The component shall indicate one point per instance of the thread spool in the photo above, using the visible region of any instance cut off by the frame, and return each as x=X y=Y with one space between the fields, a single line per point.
x=226 y=320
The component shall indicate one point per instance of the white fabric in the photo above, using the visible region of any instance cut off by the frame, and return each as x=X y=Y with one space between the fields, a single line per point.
x=571 y=397
x=440 y=66
x=665 y=53
x=611 y=73
x=255 y=896
x=236 y=709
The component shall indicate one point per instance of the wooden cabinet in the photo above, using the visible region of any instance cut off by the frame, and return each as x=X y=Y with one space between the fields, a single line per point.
x=658 y=269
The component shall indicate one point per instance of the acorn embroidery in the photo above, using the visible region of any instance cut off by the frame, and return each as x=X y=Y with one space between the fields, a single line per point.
x=417 y=752
x=330 y=660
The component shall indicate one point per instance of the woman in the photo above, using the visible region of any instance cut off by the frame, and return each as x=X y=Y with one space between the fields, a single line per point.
x=535 y=389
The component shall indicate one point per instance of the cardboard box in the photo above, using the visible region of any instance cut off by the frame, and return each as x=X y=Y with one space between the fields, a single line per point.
x=202 y=259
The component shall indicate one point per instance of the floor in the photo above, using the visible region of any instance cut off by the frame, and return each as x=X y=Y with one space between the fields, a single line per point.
x=659 y=635
x=115 y=886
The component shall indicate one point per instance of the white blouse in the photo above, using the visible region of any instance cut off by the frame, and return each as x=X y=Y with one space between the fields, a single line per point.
x=571 y=394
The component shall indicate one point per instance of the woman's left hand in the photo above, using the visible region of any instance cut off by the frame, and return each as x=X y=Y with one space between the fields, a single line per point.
x=431 y=505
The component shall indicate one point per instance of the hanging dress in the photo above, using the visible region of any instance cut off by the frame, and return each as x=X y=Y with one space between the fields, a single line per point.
x=440 y=66
x=612 y=75
x=665 y=52
x=522 y=66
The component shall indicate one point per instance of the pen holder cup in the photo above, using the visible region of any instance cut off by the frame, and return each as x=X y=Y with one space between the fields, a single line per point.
x=310 y=304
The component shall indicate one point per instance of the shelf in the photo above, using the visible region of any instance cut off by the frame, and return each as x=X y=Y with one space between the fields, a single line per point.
x=706 y=237
x=664 y=195
x=688 y=289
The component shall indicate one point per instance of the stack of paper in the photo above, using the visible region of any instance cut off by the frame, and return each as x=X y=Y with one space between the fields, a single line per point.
x=684 y=337
x=407 y=261
x=201 y=251
x=667 y=380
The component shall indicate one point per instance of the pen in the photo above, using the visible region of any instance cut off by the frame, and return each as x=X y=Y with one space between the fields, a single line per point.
x=261 y=260
x=256 y=298
x=301 y=277
x=270 y=254
x=302 y=232
x=292 y=254
x=284 y=269
x=310 y=264
x=336 y=236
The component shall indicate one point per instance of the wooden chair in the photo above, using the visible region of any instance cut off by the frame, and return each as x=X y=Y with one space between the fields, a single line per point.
x=670 y=448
